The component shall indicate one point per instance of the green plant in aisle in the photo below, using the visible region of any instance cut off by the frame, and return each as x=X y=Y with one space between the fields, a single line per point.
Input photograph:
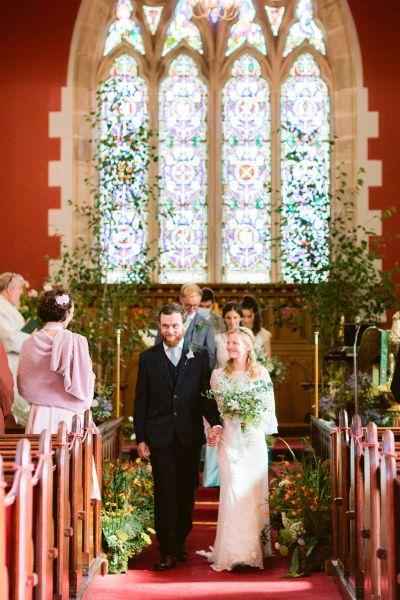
x=300 y=512
x=104 y=288
x=127 y=511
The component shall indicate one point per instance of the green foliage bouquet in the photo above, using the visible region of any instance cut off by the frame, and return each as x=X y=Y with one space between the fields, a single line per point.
x=244 y=399
x=127 y=514
x=299 y=502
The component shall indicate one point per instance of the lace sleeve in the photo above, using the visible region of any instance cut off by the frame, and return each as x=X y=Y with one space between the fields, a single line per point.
x=269 y=421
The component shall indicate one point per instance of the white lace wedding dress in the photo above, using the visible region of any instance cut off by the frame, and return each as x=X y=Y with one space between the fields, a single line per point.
x=243 y=504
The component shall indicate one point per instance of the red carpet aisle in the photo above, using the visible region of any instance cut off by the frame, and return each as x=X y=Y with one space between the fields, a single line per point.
x=195 y=580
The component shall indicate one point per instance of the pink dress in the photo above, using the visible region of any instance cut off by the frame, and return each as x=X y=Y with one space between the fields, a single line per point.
x=55 y=375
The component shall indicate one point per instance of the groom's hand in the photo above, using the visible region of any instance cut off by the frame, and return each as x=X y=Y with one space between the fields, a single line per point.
x=143 y=451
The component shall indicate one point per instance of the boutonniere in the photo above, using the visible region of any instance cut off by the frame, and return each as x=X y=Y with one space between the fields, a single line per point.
x=190 y=353
x=201 y=325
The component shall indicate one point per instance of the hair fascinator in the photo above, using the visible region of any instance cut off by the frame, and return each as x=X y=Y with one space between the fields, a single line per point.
x=62 y=300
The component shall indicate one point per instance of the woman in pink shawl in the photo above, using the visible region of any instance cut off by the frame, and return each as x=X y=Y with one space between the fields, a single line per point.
x=55 y=370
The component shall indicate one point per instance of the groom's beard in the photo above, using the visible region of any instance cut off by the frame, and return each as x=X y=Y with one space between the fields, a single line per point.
x=172 y=339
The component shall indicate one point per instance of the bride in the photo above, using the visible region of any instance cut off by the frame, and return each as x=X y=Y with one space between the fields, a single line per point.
x=243 y=464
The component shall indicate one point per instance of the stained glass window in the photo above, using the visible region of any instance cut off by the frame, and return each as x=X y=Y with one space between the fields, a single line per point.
x=124 y=29
x=275 y=16
x=305 y=29
x=123 y=184
x=246 y=175
x=183 y=172
x=182 y=29
x=246 y=31
x=153 y=16
x=305 y=169
x=217 y=154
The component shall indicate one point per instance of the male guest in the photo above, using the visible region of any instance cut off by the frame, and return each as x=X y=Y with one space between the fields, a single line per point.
x=11 y=324
x=169 y=408
x=199 y=331
x=206 y=310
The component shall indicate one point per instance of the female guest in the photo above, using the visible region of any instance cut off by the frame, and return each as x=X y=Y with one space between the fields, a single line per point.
x=231 y=314
x=251 y=319
x=55 y=370
x=242 y=461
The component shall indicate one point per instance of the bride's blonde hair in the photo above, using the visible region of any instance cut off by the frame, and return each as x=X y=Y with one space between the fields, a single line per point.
x=247 y=337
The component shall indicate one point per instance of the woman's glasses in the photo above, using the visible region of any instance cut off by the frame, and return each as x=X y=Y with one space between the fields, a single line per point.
x=10 y=280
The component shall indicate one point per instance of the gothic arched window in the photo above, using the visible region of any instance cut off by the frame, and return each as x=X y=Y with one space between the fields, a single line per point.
x=242 y=112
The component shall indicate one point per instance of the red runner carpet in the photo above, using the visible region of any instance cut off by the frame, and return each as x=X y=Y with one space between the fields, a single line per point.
x=195 y=580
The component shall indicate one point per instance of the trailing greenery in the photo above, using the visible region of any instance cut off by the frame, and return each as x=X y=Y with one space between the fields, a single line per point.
x=347 y=281
x=105 y=293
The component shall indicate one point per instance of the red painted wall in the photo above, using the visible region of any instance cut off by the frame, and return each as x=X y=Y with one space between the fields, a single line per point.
x=378 y=25
x=34 y=45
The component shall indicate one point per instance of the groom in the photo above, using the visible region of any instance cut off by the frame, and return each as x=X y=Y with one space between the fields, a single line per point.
x=169 y=407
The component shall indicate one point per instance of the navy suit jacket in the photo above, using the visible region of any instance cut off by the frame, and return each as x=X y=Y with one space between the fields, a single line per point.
x=164 y=407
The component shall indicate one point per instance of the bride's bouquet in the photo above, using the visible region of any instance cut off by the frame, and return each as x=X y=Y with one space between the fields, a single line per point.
x=245 y=399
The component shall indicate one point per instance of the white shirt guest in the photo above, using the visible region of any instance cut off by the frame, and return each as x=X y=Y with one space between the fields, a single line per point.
x=11 y=323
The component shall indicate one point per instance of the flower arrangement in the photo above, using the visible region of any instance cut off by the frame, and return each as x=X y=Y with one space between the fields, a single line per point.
x=29 y=300
x=244 y=399
x=338 y=385
x=299 y=503
x=101 y=406
x=276 y=368
x=127 y=513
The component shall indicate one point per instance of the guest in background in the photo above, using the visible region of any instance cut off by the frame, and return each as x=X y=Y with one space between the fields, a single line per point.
x=231 y=314
x=198 y=329
x=55 y=370
x=6 y=388
x=206 y=310
x=251 y=319
x=11 y=324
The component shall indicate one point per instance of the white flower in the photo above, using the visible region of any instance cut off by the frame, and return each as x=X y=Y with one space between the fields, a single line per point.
x=62 y=300
x=190 y=354
x=95 y=403
x=277 y=545
x=33 y=293
x=47 y=287
x=301 y=542
x=130 y=419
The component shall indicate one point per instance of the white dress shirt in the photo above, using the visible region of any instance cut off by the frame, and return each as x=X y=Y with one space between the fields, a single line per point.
x=167 y=350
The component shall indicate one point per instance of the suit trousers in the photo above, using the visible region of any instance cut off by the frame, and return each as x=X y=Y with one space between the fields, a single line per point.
x=176 y=478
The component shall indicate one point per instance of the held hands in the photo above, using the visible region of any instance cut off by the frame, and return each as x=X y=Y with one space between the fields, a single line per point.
x=143 y=451
x=214 y=436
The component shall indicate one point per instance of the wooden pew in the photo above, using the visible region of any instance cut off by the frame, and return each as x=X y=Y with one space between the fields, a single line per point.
x=18 y=501
x=68 y=546
x=3 y=566
x=366 y=520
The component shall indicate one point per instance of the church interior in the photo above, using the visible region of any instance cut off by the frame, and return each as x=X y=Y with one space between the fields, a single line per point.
x=242 y=146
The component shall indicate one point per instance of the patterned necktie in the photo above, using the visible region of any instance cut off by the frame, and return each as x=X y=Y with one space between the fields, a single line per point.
x=174 y=355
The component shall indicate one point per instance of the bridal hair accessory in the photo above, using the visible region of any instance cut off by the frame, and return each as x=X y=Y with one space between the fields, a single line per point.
x=62 y=300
